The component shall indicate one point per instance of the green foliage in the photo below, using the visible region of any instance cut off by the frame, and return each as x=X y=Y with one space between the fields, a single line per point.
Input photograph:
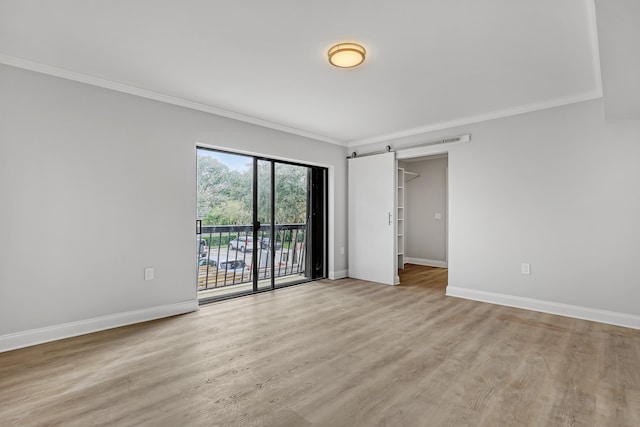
x=291 y=194
x=225 y=196
x=230 y=212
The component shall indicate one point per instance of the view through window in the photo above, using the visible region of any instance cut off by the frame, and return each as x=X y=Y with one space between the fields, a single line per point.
x=253 y=216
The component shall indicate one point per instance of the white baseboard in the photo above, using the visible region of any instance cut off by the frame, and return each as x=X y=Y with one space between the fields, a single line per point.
x=567 y=310
x=67 y=330
x=339 y=274
x=426 y=262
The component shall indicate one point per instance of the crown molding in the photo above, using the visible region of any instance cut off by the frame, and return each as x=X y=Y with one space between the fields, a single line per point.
x=595 y=46
x=479 y=118
x=144 y=93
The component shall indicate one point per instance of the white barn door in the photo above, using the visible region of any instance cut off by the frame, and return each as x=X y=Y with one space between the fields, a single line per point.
x=372 y=189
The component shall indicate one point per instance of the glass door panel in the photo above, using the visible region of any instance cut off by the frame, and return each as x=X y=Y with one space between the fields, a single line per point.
x=225 y=214
x=291 y=204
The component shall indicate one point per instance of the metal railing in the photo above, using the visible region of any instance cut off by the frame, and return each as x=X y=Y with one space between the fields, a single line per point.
x=226 y=254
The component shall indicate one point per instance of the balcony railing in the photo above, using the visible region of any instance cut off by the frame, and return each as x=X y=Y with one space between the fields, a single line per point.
x=226 y=254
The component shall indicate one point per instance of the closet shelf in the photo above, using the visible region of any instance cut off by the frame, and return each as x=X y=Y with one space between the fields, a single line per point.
x=400 y=215
x=411 y=177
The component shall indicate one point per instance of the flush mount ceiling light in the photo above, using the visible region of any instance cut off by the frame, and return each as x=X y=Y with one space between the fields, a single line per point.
x=346 y=55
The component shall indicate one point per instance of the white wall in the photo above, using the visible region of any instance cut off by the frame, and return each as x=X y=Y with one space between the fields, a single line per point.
x=426 y=195
x=96 y=185
x=558 y=189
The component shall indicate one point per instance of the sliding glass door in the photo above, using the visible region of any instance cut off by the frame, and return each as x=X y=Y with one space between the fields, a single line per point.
x=261 y=224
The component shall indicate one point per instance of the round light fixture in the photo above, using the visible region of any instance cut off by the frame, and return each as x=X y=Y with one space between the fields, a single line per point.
x=346 y=55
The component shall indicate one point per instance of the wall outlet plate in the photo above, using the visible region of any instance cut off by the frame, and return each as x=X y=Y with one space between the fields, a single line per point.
x=526 y=268
x=148 y=273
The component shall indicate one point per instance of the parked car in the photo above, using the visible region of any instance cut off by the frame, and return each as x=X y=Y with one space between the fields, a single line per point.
x=230 y=265
x=242 y=243
x=264 y=243
x=202 y=248
x=245 y=243
x=207 y=261
x=237 y=265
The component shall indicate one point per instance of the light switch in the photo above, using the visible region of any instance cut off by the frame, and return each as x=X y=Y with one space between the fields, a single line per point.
x=148 y=273
x=526 y=269
x=437 y=215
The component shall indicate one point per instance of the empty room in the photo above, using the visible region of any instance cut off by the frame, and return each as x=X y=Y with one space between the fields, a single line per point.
x=288 y=213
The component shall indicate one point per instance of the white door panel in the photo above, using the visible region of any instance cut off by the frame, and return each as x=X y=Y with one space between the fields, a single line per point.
x=371 y=205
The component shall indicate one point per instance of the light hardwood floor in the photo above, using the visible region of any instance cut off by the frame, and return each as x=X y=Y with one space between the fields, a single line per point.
x=334 y=353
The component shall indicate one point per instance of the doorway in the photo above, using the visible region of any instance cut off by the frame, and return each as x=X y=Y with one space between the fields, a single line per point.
x=377 y=209
x=426 y=210
x=261 y=224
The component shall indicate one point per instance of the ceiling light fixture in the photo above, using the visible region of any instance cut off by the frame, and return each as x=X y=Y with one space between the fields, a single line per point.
x=346 y=55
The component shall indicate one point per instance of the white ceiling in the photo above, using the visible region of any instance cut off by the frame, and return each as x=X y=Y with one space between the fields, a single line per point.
x=431 y=63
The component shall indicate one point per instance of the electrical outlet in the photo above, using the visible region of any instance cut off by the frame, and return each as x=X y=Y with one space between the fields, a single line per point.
x=437 y=215
x=526 y=268
x=148 y=273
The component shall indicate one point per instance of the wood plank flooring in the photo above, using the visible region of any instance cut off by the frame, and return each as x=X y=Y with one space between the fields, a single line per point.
x=334 y=353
